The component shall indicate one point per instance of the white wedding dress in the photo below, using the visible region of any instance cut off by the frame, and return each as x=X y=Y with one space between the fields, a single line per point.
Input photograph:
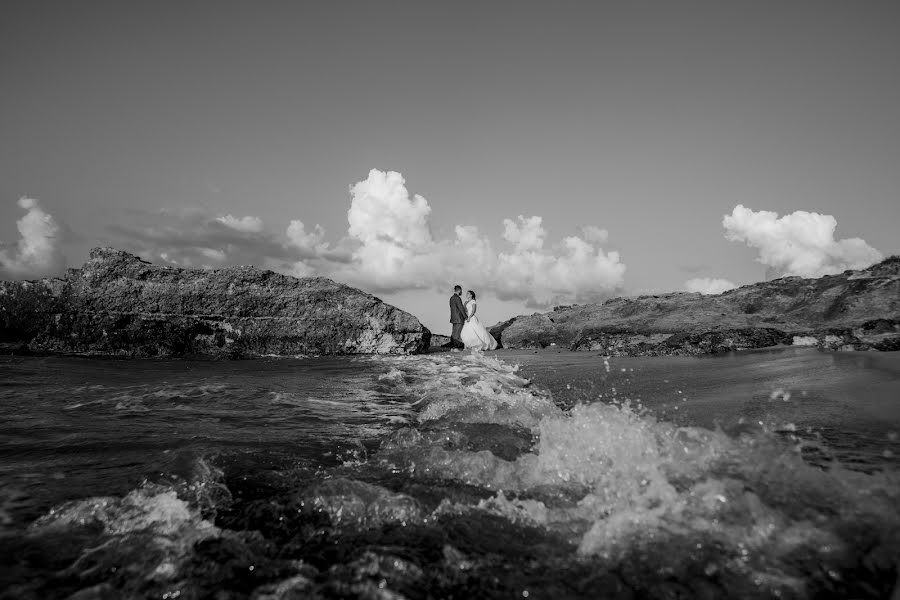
x=473 y=333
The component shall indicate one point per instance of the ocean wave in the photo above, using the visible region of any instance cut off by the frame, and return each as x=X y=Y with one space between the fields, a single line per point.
x=142 y=398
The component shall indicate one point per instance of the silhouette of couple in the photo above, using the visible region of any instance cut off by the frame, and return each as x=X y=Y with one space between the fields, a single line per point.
x=468 y=332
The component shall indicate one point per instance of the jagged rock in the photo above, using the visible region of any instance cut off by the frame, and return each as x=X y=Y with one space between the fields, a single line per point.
x=856 y=310
x=118 y=304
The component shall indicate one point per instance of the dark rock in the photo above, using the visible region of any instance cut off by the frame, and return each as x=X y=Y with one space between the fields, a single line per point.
x=438 y=340
x=118 y=304
x=856 y=310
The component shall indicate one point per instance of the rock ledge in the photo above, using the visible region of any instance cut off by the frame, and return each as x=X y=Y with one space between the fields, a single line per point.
x=853 y=310
x=120 y=305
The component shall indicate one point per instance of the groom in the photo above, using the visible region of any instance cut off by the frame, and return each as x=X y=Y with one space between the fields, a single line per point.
x=457 y=317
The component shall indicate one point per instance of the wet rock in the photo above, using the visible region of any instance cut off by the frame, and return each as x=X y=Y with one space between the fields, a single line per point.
x=238 y=562
x=118 y=304
x=438 y=340
x=854 y=310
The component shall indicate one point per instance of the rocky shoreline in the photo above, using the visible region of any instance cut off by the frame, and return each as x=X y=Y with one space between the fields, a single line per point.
x=854 y=310
x=120 y=305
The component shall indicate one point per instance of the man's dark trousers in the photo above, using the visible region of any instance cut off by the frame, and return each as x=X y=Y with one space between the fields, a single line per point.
x=457 y=317
x=455 y=340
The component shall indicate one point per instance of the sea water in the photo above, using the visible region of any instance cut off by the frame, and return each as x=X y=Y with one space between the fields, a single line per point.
x=754 y=475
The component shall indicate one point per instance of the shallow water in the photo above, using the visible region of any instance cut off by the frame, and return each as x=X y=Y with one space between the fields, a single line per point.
x=451 y=475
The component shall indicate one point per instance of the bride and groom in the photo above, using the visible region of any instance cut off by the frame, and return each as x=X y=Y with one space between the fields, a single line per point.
x=468 y=332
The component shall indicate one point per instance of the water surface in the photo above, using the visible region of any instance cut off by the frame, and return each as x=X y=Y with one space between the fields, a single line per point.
x=756 y=475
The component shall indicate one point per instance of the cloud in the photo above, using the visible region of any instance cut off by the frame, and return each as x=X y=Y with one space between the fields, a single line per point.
x=594 y=234
x=396 y=250
x=389 y=247
x=390 y=231
x=801 y=243
x=191 y=237
x=246 y=224
x=574 y=270
x=311 y=241
x=37 y=253
x=527 y=235
x=213 y=254
x=707 y=285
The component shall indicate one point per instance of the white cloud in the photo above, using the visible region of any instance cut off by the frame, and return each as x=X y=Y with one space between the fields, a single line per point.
x=248 y=224
x=707 y=285
x=382 y=211
x=528 y=235
x=298 y=236
x=37 y=253
x=393 y=242
x=574 y=271
x=801 y=243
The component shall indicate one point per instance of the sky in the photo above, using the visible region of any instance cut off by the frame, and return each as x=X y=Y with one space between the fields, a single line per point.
x=539 y=154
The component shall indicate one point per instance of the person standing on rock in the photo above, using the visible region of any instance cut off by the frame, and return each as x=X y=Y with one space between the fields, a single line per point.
x=457 y=318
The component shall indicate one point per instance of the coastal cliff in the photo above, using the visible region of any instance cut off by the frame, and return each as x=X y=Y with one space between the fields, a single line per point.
x=120 y=305
x=854 y=310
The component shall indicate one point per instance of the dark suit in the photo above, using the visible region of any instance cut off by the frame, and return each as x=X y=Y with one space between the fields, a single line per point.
x=458 y=318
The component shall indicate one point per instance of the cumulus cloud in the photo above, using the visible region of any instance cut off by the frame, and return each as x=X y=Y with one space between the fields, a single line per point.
x=396 y=250
x=37 y=253
x=801 y=243
x=389 y=247
x=575 y=270
x=310 y=241
x=248 y=224
x=707 y=285
x=390 y=231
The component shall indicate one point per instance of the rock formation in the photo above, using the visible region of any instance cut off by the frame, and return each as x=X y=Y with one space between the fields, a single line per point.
x=854 y=310
x=117 y=304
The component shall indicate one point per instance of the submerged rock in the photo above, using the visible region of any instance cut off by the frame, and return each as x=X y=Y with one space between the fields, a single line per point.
x=854 y=310
x=118 y=304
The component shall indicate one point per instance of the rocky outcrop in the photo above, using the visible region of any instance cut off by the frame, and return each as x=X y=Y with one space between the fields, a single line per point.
x=855 y=310
x=117 y=304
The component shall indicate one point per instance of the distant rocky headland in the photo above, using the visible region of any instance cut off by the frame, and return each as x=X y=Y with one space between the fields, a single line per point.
x=120 y=305
x=854 y=310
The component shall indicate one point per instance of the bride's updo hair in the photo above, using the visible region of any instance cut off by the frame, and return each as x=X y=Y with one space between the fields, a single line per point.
x=472 y=293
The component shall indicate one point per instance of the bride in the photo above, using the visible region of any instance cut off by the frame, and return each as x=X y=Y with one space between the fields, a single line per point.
x=473 y=333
